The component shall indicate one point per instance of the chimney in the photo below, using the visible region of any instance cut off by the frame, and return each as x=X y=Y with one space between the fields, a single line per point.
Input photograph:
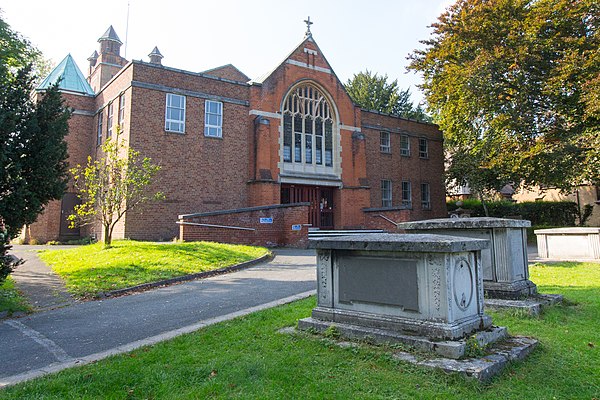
x=155 y=56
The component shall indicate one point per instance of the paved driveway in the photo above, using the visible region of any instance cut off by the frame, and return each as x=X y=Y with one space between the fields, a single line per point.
x=66 y=334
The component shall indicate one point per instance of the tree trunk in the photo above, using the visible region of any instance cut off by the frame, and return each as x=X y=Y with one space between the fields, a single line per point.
x=483 y=203
x=107 y=235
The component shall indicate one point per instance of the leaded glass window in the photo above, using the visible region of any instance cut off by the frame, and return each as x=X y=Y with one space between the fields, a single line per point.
x=308 y=128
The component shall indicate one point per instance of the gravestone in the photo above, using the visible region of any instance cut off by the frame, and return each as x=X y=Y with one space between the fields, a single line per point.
x=425 y=285
x=505 y=265
x=422 y=290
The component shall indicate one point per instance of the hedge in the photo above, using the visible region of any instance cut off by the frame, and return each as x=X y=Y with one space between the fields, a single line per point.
x=540 y=213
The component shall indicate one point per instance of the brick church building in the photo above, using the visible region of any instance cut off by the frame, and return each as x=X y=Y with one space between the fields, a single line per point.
x=247 y=160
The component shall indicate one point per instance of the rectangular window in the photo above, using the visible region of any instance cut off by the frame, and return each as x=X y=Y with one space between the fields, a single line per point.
x=298 y=139
x=328 y=143
x=425 y=197
x=386 y=193
x=175 y=113
x=213 y=118
x=319 y=141
x=406 y=194
x=121 y=110
x=109 y=121
x=99 y=128
x=423 y=148
x=287 y=138
x=384 y=142
x=404 y=145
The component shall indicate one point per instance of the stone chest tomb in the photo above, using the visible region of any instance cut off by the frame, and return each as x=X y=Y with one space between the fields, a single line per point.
x=505 y=268
x=425 y=285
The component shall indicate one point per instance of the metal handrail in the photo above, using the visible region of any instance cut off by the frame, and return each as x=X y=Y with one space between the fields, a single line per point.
x=215 y=226
x=388 y=220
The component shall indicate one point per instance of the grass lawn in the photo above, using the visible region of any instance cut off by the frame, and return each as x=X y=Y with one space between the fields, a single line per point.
x=247 y=359
x=91 y=269
x=10 y=298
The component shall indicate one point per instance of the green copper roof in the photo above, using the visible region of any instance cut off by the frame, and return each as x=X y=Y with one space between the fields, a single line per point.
x=70 y=76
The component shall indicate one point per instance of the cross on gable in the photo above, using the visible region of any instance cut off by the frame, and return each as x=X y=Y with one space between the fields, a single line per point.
x=308 y=24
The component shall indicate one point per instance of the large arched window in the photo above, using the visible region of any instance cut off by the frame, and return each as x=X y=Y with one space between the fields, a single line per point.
x=309 y=131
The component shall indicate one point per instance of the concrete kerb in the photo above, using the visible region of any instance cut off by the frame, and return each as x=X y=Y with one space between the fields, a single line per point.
x=185 y=278
x=56 y=367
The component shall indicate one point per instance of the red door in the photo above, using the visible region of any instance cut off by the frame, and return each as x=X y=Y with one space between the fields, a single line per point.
x=320 y=214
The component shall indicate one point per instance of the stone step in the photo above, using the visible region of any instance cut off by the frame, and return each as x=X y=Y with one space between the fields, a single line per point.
x=346 y=232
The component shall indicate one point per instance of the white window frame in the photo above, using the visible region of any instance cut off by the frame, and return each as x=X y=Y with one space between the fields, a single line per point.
x=385 y=142
x=99 y=128
x=121 y=110
x=423 y=154
x=174 y=125
x=425 y=196
x=110 y=120
x=406 y=194
x=386 y=193
x=405 y=151
x=217 y=130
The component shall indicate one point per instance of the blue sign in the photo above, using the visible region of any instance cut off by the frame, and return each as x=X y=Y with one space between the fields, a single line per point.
x=296 y=227
x=266 y=220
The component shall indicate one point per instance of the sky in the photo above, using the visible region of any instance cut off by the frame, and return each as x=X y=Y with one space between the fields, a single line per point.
x=255 y=36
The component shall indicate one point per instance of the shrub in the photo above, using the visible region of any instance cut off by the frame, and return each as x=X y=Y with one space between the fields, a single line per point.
x=546 y=213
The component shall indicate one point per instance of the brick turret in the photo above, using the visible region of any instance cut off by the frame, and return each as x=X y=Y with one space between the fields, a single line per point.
x=108 y=62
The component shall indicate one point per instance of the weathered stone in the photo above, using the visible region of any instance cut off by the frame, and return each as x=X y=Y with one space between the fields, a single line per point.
x=446 y=348
x=505 y=266
x=531 y=306
x=569 y=243
x=482 y=369
x=427 y=285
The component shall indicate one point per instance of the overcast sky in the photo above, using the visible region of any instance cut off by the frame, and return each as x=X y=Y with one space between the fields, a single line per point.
x=252 y=35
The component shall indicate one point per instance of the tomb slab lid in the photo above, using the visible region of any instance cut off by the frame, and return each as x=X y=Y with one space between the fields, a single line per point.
x=576 y=230
x=465 y=223
x=420 y=243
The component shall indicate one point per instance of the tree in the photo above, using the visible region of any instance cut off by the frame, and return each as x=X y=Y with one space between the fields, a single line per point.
x=514 y=85
x=373 y=92
x=33 y=154
x=113 y=185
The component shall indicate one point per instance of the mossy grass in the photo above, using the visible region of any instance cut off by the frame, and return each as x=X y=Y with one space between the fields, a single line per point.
x=11 y=300
x=91 y=269
x=247 y=358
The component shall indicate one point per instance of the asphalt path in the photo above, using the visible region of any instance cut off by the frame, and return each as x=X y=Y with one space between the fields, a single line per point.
x=48 y=338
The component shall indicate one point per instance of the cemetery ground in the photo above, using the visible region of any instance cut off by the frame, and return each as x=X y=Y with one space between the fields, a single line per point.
x=249 y=358
x=92 y=269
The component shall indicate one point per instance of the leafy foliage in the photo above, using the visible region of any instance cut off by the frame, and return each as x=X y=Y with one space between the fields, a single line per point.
x=112 y=185
x=373 y=92
x=540 y=213
x=33 y=169
x=514 y=86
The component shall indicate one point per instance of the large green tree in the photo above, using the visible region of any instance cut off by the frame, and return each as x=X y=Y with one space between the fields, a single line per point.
x=374 y=92
x=514 y=86
x=33 y=152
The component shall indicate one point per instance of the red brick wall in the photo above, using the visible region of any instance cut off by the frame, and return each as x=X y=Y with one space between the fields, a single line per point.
x=279 y=233
x=397 y=168
x=199 y=173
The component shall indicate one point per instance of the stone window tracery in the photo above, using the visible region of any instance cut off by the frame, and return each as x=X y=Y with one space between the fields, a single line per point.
x=308 y=128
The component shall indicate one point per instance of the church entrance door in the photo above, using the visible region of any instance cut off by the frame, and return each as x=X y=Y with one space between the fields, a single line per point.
x=320 y=199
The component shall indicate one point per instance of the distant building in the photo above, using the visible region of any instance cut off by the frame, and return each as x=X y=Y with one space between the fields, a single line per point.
x=227 y=142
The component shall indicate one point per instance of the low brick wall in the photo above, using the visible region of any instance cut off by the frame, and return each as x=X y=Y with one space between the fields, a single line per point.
x=264 y=226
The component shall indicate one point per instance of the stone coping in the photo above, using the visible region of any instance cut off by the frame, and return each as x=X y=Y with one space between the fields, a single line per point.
x=242 y=210
x=576 y=230
x=421 y=243
x=465 y=223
